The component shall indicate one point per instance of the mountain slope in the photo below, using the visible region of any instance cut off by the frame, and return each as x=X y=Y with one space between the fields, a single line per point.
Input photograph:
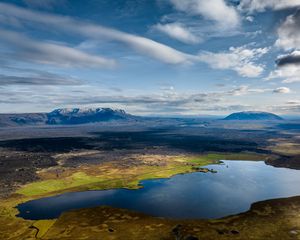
x=22 y=119
x=81 y=116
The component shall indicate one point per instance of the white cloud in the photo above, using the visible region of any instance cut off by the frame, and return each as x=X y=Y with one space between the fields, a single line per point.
x=288 y=69
x=178 y=31
x=282 y=90
x=142 y=45
x=249 y=18
x=218 y=11
x=287 y=73
x=262 y=5
x=240 y=59
x=170 y=101
x=167 y=100
x=289 y=33
x=38 y=79
x=49 y=53
x=244 y=90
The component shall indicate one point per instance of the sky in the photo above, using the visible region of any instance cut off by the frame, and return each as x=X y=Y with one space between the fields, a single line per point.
x=150 y=57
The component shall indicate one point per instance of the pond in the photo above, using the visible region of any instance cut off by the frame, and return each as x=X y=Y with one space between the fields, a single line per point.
x=235 y=186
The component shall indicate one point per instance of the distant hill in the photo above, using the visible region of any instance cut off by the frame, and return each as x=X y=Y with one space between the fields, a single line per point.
x=250 y=115
x=64 y=116
x=20 y=119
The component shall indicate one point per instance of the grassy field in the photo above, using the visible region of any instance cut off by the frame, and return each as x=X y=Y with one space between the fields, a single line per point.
x=110 y=176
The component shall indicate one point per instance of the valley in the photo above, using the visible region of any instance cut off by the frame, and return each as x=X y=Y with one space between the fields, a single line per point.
x=101 y=156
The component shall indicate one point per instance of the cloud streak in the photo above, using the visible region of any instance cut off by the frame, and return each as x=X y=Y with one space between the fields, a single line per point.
x=263 y=5
x=49 y=53
x=169 y=101
x=46 y=79
x=142 y=45
x=238 y=59
x=178 y=31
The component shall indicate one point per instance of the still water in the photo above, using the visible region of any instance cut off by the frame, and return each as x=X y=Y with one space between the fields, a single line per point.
x=231 y=190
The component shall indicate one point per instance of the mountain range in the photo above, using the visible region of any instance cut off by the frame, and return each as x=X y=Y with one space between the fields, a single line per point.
x=73 y=116
x=65 y=116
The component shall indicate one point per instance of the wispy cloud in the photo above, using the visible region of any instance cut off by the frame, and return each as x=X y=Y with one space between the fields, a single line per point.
x=14 y=75
x=178 y=31
x=142 y=45
x=164 y=101
x=244 y=90
x=240 y=59
x=28 y=49
x=47 y=79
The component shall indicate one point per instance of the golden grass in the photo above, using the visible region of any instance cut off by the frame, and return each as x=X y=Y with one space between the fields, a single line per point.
x=43 y=226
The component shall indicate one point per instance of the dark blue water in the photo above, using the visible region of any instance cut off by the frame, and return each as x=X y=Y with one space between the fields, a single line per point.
x=231 y=190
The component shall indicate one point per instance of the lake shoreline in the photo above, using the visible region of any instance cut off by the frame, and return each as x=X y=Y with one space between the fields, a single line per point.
x=120 y=223
x=171 y=195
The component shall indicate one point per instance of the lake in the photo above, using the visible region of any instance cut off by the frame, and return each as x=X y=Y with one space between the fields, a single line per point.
x=235 y=186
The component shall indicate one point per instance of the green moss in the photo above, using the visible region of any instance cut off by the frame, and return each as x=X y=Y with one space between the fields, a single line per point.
x=42 y=187
x=216 y=157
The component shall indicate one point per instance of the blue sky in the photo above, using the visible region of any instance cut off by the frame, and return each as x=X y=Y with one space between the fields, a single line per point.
x=150 y=57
